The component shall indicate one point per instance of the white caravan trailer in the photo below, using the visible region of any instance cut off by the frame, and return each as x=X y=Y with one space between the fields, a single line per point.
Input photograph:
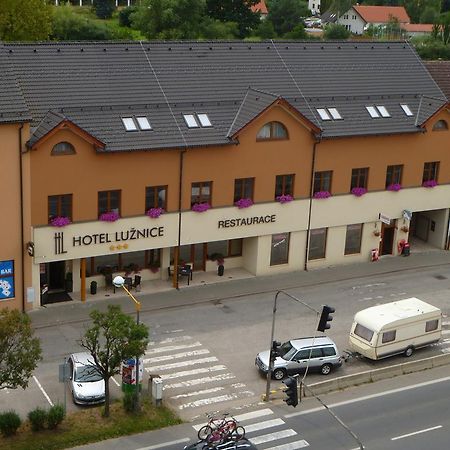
x=393 y=328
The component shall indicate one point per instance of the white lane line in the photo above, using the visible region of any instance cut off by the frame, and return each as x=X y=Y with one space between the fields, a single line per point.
x=187 y=373
x=365 y=299
x=368 y=397
x=244 y=417
x=272 y=436
x=171 y=340
x=263 y=425
x=42 y=390
x=164 y=444
x=115 y=382
x=202 y=392
x=292 y=446
x=197 y=381
x=171 y=348
x=194 y=362
x=219 y=399
x=416 y=432
x=158 y=359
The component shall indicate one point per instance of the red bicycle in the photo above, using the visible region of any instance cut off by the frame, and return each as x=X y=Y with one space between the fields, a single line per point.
x=220 y=430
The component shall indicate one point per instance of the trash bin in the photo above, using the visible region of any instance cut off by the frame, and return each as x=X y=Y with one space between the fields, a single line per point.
x=93 y=287
x=406 y=249
x=220 y=270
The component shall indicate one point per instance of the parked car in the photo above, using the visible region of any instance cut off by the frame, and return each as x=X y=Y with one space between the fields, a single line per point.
x=318 y=353
x=242 y=444
x=86 y=382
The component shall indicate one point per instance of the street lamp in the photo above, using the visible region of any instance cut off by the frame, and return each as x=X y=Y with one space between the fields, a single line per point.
x=119 y=282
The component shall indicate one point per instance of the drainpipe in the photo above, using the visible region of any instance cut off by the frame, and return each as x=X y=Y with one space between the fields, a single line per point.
x=21 y=218
x=180 y=195
x=311 y=190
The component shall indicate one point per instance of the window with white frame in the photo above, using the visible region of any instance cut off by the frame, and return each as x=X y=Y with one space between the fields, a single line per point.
x=372 y=111
x=383 y=111
x=406 y=110
x=190 y=120
x=129 y=124
x=204 y=120
x=143 y=123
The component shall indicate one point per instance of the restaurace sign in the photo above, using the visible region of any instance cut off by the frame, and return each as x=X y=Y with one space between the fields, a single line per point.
x=239 y=222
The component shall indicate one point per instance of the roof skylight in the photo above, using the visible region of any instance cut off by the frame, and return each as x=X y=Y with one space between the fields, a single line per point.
x=335 y=114
x=372 y=111
x=407 y=110
x=204 y=120
x=190 y=120
x=143 y=123
x=383 y=111
x=129 y=124
x=323 y=114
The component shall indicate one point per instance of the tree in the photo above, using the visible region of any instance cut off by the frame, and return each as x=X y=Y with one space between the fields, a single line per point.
x=298 y=32
x=104 y=8
x=215 y=29
x=113 y=338
x=266 y=30
x=285 y=15
x=429 y=15
x=24 y=20
x=238 y=11
x=19 y=350
x=335 y=31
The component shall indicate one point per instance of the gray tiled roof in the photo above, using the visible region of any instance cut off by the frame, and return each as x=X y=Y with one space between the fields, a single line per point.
x=95 y=84
x=440 y=71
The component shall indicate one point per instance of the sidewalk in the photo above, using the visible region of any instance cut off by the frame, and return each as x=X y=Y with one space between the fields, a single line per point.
x=242 y=284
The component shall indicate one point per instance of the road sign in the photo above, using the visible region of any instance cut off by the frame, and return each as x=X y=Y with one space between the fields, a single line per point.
x=384 y=219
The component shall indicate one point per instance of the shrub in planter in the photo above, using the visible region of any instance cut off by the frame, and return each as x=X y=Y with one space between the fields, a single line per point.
x=200 y=207
x=154 y=213
x=429 y=183
x=60 y=221
x=55 y=416
x=395 y=187
x=9 y=423
x=37 y=418
x=110 y=216
x=358 y=191
x=322 y=194
x=244 y=203
x=284 y=198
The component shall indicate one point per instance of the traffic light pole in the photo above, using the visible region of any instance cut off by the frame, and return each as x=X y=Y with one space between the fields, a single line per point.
x=271 y=359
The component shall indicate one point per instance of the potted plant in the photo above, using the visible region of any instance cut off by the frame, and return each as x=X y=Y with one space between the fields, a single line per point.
x=358 y=191
x=60 y=221
x=429 y=183
x=285 y=198
x=154 y=213
x=154 y=267
x=244 y=203
x=405 y=228
x=200 y=207
x=110 y=216
x=394 y=187
x=376 y=232
x=321 y=194
x=220 y=259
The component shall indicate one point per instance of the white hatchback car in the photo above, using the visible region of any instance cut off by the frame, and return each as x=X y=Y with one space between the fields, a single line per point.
x=86 y=382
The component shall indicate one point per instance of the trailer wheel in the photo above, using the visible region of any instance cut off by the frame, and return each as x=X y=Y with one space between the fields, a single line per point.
x=409 y=351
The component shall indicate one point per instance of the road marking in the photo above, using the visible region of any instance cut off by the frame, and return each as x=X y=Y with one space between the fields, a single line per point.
x=416 y=432
x=171 y=348
x=171 y=340
x=187 y=373
x=157 y=359
x=292 y=446
x=42 y=390
x=185 y=363
x=197 y=381
x=262 y=425
x=164 y=444
x=272 y=436
x=368 y=397
x=204 y=391
x=365 y=299
x=219 y=399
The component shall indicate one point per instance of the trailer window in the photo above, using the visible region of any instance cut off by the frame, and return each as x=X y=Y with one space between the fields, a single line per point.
x=363 y=332
x=431 y=325
x=388 y=336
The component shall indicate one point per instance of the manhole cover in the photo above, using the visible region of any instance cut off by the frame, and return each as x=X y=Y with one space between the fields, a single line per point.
x=440 y=277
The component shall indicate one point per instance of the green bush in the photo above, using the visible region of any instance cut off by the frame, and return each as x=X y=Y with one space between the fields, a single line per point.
x=9 y=423
x=37 y=418
x=124 y=16
x=55 y=416
x=129 y=401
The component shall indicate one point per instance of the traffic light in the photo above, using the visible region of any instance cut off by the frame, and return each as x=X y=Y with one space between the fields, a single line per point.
x=291 y=391
x=275 y=350
x=325 y=317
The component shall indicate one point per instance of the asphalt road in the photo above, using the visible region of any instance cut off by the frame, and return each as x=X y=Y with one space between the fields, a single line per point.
x=205 y=353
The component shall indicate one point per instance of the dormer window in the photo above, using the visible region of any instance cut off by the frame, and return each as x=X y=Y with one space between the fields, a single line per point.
x=129 y=124
x=323 y=114
x=132 y=123
x=377 y=111
x=272 y=130
x=335 y=113
x=372 y=111
x=63 y=148
x=190 y=120
x=406 y=110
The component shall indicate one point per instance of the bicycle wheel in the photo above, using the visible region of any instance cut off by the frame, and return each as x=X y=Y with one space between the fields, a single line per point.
x=214 y=438
x=238 y=433
x=204 y=432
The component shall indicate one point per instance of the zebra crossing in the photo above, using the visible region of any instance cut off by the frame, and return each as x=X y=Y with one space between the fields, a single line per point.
x=266 y=432
x=193 y=377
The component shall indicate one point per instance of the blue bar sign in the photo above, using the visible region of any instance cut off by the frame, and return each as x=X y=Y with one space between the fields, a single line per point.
x=6 y=279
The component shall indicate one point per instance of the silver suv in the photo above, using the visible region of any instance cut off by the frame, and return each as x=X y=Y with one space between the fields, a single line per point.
x=321 y=352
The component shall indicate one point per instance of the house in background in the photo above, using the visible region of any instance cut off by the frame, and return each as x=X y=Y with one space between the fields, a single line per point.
x=358 y=18
x=314 y=6
x=417 y=29
x=261 y=7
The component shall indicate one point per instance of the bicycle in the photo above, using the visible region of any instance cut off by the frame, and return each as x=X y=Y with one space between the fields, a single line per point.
x=219 y=430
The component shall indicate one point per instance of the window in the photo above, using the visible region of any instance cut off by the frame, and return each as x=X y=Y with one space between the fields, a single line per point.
x=431 y=325
x=201 y=192
x=317 y=243
x=388 y=336
x=279 y=250
x=233 y=247
x=335 y=114
x=243 y=188
x=394 y=175
x=363 y=332
x=329 y=351
x=322 y=181
x=63 y=148
x=359 y=178
x=156 y=197
x=59 y=205
x=323 y=114
x=272 y=130
x=430 y=171
x=383 y=111
x=372 y=111
x=440 y=125
x=143 y=123
x=190 y=120
x=406 y=110
x=204 y=120
x=353 y=239
x=129 y=124
x=328 y=114
x=284 y=185
x=108 y=201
